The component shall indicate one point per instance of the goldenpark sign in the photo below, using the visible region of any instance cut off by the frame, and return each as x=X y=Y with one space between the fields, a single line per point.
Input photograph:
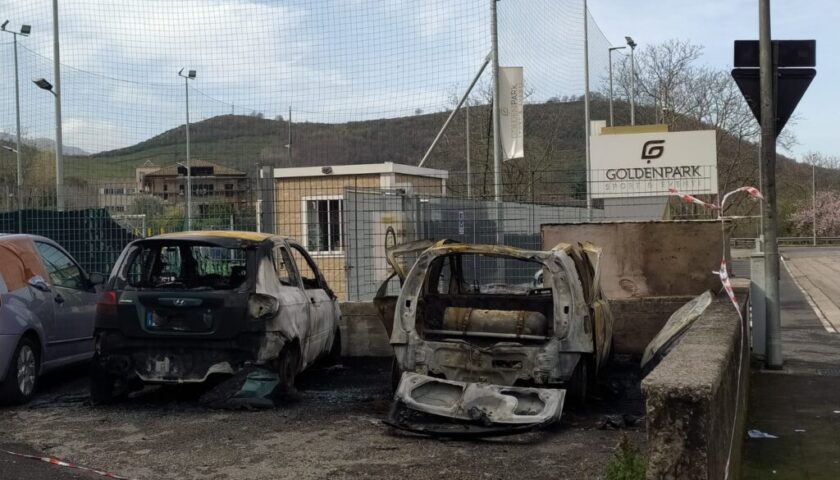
x=648 y=164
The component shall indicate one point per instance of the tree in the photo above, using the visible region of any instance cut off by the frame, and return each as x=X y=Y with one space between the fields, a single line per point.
x=827 y=215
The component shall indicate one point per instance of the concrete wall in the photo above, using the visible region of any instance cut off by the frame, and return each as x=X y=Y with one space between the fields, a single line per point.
x=362 y=332
x=643 y=259
x=693 y=397
x=638 y=320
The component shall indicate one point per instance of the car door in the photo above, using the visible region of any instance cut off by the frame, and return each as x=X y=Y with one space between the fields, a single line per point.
x=74 y=305
x=321 y=300
x=296 y=305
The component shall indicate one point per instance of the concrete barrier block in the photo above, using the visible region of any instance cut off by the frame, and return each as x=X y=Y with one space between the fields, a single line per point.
x=362 y=332
x=638 y=320
x=693 y=397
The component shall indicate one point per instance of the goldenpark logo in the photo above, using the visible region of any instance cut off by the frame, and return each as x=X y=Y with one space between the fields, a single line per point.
x=653 y=149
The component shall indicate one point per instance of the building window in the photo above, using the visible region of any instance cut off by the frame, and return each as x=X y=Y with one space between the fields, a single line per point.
x=228 y=189
x=323 y=229
x=165 y=187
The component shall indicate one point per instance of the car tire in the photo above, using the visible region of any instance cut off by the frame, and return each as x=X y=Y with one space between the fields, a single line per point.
x=582 y=381
x=396 y=375
x=22 y=377
x=102 y=384
x=334 y=356
x=288 y=365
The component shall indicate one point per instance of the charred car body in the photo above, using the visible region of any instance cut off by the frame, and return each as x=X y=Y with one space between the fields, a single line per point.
x=472 y=314
x=179 y=308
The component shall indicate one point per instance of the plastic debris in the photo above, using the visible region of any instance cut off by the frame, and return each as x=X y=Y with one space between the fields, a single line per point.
x=760 y=434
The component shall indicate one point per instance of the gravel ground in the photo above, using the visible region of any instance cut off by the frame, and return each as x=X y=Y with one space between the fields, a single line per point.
x=333 y=429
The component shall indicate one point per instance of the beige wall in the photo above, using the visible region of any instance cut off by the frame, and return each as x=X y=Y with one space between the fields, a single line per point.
x=290 y=193
x=643 y=259
x=421 y=185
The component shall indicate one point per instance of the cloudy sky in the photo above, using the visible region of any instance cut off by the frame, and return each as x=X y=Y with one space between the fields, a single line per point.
x=343 y=60
x=716 y=23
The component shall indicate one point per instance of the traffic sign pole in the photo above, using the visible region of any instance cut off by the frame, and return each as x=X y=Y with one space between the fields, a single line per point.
x=768 y=162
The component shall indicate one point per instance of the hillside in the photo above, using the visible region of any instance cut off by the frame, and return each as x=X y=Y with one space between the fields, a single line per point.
x=554 y=134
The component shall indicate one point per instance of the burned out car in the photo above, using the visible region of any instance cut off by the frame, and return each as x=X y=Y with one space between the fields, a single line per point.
x=476 y=339
x=180 y=308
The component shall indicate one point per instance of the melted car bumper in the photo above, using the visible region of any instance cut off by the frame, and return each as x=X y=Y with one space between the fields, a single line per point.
x=480 y=408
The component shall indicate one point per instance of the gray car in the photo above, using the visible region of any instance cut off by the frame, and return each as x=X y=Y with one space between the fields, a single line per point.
x=47 y=307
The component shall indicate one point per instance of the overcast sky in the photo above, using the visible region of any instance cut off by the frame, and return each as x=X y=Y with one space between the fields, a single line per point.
x=716 y=23
x=344 y=60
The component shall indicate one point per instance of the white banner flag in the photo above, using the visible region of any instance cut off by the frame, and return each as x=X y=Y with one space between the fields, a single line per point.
x=511 y=112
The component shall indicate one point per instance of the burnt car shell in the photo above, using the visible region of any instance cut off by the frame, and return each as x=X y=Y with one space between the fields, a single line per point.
x=558 y=334
x=183 y=332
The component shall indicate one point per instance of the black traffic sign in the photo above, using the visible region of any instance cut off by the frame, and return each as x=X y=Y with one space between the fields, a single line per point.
x=790 y=84
x=790 y=53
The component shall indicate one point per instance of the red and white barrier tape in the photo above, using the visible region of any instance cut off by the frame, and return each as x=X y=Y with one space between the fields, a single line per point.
x=691 y=198
x=722 y=272
x=60 y=463
x=727 y=285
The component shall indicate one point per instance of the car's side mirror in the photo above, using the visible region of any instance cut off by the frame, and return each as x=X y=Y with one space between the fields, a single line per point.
x=38 y=283
x=96 y=279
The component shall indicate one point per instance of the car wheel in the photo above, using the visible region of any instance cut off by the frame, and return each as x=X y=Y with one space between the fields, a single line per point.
x=582 y=381
x=334 y=357
x=22 y=377
x=288 y=365
x=102 y=384
x=396 y=375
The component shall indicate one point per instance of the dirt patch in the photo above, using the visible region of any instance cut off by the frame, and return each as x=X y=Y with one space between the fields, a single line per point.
x=331 y=428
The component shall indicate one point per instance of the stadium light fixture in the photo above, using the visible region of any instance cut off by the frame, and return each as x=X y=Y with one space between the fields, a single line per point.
x=24 y=31
x=189 y=76
x=611 y=80
x=632 y=44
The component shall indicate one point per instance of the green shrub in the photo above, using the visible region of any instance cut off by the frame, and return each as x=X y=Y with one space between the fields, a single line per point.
x=627 y=462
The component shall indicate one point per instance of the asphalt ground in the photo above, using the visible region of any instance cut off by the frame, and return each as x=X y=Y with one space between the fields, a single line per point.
x=801 y=403
x=332 y=428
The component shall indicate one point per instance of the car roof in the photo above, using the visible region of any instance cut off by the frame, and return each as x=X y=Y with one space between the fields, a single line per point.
x=13 y=236
x=223 y=238
x=233 y=234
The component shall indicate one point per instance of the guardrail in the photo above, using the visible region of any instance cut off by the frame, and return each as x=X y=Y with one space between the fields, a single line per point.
x=749 y=243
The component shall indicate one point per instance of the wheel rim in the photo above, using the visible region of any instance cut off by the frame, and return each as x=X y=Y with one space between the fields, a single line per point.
x=26 y=370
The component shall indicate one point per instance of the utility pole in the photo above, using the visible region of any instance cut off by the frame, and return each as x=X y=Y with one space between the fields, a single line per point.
x=497 y=142
x=767 y=78
x=290 y=136
x=586 y=118
x=814 y=202
x=59 y=148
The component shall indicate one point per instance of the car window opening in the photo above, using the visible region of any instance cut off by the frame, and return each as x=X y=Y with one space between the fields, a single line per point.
x=184 y=266
x=462 y=298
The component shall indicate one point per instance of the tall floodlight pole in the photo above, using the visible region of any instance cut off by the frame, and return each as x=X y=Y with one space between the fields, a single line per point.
x=497 y=142
x=290 y=136
x=467 y=137
x=189 y=76
x=768 y=159
x=586 y=115
x=632 y=46
x=59 y=157
x=24 y=31
x=609 y=55
x=59 y=147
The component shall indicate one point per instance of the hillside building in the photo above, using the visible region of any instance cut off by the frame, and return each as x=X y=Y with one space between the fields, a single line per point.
x=211 y=183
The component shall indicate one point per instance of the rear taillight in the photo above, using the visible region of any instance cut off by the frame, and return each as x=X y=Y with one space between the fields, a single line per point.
x=107 y=303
